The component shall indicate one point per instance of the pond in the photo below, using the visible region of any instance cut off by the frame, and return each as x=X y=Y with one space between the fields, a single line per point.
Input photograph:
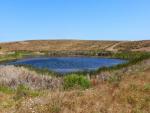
x=68 y=64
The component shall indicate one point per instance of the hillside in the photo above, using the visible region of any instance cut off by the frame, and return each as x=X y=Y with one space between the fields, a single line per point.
x=75 y=45
x=134 y=46
x=57 y=45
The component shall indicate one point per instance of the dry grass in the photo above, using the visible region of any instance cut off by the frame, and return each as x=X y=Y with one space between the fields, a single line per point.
x=134 y=46
x=57 y=45
x=75 y=45
x=12 y=76
x=136 y=68
x=130 y=95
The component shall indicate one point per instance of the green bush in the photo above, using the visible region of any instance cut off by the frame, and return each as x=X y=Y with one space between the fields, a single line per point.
x=76 y=81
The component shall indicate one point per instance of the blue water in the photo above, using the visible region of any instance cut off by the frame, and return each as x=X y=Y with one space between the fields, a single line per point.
x=69 y=64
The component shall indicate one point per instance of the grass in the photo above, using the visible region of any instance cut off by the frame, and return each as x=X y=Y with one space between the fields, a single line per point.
x=76 y=81
x=73 y=45
x=115 y=80
x=57 y=45
x=122 y=92
x=134 y=45
x=20 y=91
x=147 y=87
x=103 y=98
x=24 y=91
x=13 y=76
x=14 y=56
x=42 y=71
x=6 y=90
x=130 y=95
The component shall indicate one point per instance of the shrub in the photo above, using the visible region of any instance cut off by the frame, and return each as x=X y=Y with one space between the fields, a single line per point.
x=76 y=81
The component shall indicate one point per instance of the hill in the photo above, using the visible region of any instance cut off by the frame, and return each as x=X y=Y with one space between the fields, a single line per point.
x=57 y=45
x=75 y=45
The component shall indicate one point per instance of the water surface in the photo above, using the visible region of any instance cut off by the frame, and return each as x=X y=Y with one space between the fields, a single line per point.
x=69 y=64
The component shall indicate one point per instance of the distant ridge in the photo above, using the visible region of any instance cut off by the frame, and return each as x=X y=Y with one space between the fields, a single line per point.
x=75 y=45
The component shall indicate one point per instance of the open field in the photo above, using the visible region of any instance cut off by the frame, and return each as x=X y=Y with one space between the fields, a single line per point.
x=76 y=45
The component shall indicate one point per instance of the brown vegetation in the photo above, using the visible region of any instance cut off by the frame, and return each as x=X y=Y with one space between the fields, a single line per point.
x=12 y=76
x=56 y=45
x=128 y=94
x=75 y=45
x=127 y=97
x=134 y=46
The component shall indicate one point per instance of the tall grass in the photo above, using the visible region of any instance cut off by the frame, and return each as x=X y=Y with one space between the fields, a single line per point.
x=12 y=76
x=24 y=91
x=41 y=71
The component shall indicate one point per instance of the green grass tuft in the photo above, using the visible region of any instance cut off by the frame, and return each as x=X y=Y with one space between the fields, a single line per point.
x=76 y=81
x=6 y=90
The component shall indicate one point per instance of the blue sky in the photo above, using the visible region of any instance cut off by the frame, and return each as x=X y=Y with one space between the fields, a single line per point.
x=74 y=19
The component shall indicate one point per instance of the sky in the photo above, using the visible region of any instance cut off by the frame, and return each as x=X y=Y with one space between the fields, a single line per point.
x=74 y=19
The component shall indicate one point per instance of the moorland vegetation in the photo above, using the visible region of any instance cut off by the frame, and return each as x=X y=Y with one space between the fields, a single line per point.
x=123 y=88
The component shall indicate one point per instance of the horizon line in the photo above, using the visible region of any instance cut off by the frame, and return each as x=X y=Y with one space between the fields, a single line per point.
x=68 y=40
